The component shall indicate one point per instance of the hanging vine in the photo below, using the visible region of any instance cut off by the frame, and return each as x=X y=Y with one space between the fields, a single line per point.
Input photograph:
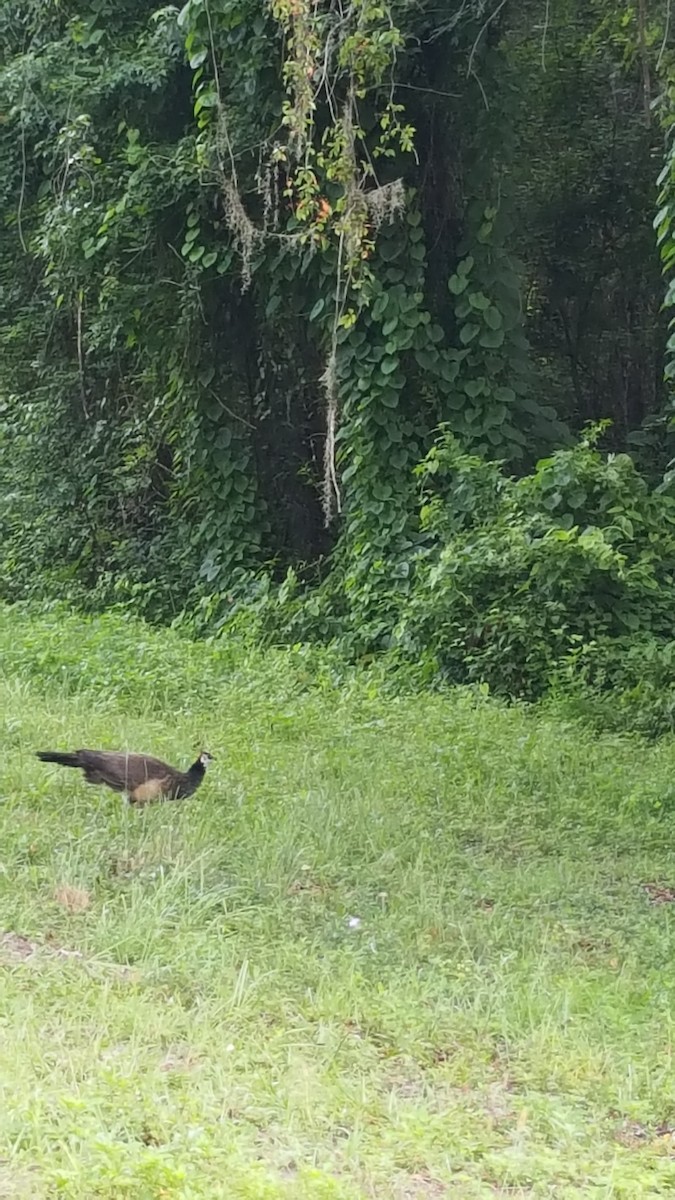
x=334 y=202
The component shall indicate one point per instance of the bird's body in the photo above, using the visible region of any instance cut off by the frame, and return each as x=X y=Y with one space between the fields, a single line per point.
x=142 y=777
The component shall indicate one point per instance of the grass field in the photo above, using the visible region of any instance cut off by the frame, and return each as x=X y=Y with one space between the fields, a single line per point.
x=395 y=947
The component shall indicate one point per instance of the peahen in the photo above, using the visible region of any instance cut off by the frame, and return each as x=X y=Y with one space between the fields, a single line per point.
x=143 y=778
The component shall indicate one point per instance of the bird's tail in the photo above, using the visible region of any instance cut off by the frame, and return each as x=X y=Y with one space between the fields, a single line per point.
x=56 y=756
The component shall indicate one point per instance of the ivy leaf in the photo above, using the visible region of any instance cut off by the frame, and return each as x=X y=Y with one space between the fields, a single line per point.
x=468 y=332
x=380 y=306
x=505 y=394
x=494 y=415
x=474 y=387
x=382 y=491
x=427 y=359
x=479 y=301
x=389 y=251
x=412 y=319
x=493 y=317
x=514 y=435
x=408 y=303
x=450 y=370
x=273 y=304
x=466 y=265
x=209 y=259
x=388 y=365
x=492 y=338
x=457 y=284
x=317 y=308
x=456 y=400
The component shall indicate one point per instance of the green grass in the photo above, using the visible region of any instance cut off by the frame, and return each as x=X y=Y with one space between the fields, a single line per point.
x=499 y=1023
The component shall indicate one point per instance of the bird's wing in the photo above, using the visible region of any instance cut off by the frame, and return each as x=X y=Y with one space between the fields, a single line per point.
x=119 y=769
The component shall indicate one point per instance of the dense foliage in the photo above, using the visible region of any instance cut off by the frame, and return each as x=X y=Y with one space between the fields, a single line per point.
x=253 y=256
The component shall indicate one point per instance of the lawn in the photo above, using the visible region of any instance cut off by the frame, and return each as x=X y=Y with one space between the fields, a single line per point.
x=396 y=946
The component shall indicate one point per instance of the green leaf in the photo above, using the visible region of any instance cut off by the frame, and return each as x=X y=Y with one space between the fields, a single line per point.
x=198 y=57
x=412 y=319
x=209 y=259
x=449 y=370
x=493 y=317
x=474 y=387
x=427 y=359
x=457 y=284
x=492 y=338
x=467 y=333
x=388 y=365
x=380 y=306
x=390 y=250
x=494 y=415
x=273 y=304
x=382 y=491
x=466 y=266
x=479 y=301
x=317 y=309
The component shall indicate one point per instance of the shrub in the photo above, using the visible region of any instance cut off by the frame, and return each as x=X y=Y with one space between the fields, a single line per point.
x=523 y=583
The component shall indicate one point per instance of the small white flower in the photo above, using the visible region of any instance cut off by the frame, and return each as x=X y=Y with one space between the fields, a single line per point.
x=354 y=922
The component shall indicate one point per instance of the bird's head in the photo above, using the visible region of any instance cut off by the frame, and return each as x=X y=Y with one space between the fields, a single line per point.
x=205 y=758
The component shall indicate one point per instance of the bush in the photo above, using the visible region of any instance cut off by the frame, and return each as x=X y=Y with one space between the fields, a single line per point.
x=543 y=582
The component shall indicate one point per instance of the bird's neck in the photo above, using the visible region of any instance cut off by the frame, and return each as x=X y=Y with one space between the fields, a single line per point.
x=197 y=769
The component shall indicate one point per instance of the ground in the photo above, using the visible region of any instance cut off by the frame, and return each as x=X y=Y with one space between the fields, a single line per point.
x=397 y=946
